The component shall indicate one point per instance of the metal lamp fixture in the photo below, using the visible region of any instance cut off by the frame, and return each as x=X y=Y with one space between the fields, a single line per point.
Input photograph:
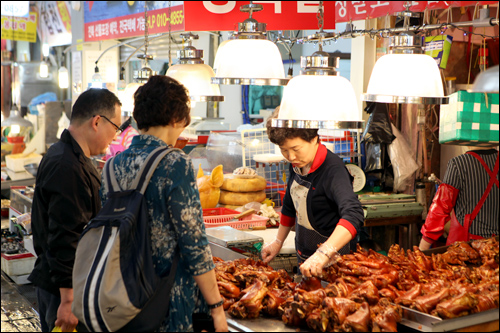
x=145 y=72
x=17 y=130
x=249 y=58
x=44 y=69
x=96 y=78
x=487 y=81
x=194 y=74
x=121 y=83
x=127 y=96
x=405 y=75
x=63 y=76
x=330 y=103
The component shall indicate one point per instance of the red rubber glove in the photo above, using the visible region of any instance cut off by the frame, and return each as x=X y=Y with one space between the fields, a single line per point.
x=439 y=212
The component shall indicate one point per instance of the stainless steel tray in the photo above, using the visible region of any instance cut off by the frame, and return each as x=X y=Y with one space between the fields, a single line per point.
x=224 y=253
x=229 y=237
x=261 y=324
x=443 y=249
x=427 y=323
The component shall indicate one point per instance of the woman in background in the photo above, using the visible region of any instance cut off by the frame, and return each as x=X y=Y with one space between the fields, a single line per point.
x=162 y=112
x=319 y=201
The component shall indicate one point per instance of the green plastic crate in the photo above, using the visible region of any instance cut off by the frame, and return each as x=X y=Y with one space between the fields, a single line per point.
x=470 y=119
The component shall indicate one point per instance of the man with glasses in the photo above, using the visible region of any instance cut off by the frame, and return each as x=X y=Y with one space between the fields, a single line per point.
x=66 y=198
x=123 y=140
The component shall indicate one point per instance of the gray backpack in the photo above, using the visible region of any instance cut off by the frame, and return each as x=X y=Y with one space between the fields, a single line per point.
x=115 y=285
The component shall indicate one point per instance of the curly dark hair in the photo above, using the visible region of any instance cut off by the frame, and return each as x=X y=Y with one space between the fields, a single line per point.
x=94 y=102
x=160 y=102
x=279 y=135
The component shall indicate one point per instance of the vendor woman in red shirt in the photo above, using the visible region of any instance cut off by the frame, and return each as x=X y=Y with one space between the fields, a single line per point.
x=319 y=201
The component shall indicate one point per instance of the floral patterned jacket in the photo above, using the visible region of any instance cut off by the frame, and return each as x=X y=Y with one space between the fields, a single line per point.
x=175 y=218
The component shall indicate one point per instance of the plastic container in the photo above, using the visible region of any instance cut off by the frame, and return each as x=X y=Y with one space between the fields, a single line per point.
x=245 y=223
x=18 y=264
x=219 y=211
x=16 y=162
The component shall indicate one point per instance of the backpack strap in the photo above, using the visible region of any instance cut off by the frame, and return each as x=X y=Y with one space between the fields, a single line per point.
x=109 y=177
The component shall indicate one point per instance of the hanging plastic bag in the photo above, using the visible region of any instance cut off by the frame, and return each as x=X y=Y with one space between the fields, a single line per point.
x=375 y=153
x=378 y=126
x=63 y=124
x=376 y=137
x=403 y=162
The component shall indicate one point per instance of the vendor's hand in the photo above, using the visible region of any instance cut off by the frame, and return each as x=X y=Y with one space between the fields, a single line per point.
x=219 y=318
x=324 y=256
x=424 y=245
x=66 y=320
x=313 y=266
x=269 y=251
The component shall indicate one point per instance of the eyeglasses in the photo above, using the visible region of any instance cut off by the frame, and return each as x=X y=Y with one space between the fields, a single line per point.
x=118 y=128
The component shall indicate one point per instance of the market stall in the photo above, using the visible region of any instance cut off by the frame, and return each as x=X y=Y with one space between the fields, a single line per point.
x=394 y=90
x=436 y=303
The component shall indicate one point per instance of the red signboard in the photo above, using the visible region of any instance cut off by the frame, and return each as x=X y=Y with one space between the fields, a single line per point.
x=361 y=10
x=133 y=24
x=279 y=15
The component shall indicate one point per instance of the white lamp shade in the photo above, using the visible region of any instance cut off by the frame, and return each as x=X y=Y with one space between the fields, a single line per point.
x=249 y=58
x=127 y=96
x=487 y=81
x=63 y=78
x=405 y=75
x=217 y=57
x=44 y=69
x=319 y=98
x=196 y=78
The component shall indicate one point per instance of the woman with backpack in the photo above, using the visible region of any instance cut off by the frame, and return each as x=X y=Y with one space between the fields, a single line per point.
x=162 y=112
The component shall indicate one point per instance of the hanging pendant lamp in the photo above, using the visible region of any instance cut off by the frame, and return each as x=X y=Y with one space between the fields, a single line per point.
x=249 y=58
x=487 y=81
x=406 y=75
x=319 y=98
x=194 y=74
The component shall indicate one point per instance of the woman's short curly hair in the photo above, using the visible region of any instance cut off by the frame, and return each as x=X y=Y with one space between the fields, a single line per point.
x=278 y=135
x=160 y=102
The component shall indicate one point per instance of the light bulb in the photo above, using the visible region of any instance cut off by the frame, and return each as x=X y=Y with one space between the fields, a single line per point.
x=45 y=49
x=44 y=70
x=63 y=77
x=96 y=79
x=122 y=84
x=15 y=129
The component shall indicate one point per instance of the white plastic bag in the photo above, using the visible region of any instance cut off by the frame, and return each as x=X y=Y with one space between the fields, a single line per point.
x=403 y=162
x=63 y=124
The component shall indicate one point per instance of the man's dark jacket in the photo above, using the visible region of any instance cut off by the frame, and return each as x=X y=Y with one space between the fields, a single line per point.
x=66 y=198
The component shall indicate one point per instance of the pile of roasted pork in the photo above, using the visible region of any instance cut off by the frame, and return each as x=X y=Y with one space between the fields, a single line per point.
x=366 y=289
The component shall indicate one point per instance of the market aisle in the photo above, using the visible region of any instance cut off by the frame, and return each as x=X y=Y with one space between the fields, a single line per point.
x=18 y=313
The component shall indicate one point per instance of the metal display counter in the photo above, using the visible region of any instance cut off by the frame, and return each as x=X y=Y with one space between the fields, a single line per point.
x=6 y=184
x=486 y=321
x=261 y=324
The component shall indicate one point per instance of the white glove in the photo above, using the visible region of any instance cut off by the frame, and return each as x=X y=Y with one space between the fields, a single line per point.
x=269 y=251
x=324 y=256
